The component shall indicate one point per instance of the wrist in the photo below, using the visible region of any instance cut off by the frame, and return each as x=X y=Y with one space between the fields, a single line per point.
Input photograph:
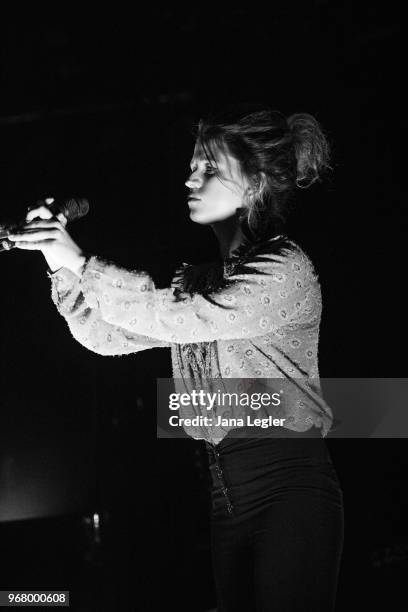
x=77 y=266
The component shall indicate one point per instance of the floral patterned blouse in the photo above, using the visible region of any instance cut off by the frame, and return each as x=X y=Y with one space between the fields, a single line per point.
x=261 y=323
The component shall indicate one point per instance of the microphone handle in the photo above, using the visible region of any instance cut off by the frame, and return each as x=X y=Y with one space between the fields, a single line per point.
x=6 y=245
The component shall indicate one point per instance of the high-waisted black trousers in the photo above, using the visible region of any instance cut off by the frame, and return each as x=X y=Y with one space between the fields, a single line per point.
x=277 y=523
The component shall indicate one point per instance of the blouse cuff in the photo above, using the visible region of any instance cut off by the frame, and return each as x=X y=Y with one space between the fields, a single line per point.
x=62 y=278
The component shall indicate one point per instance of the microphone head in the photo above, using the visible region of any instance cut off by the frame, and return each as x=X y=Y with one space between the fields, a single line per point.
x=72 y=208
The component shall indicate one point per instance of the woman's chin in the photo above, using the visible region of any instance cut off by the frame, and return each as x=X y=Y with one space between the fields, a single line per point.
x=197 y=218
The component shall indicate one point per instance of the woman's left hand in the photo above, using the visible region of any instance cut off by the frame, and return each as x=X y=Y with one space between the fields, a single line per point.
x=50 y=236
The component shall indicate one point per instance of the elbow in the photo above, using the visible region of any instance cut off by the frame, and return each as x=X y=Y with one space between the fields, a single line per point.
x=98 y=349
x=94 y=348
x=84 y=340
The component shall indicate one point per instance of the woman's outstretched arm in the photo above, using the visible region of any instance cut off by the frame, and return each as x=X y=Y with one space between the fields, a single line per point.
x=86 y=324
x=65 y=259
x=282 y=290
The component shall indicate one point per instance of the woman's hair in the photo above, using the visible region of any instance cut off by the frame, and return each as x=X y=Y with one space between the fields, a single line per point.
x=276 y=154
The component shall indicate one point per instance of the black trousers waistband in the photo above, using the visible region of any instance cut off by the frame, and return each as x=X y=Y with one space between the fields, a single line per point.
x=240 y=435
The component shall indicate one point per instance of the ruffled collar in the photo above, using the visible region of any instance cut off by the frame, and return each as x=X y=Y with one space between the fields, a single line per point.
x=207 y=278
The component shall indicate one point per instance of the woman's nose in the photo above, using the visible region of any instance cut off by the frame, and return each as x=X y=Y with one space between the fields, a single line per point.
x=192 y=182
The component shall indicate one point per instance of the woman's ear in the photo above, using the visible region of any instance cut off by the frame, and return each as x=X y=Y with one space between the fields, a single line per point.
x=250 y=191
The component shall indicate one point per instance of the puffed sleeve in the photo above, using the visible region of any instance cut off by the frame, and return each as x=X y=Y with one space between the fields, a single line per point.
x=280 y=290
x=86 y=323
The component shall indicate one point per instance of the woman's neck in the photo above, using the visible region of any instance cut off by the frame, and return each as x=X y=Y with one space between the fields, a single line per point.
x=229 y=235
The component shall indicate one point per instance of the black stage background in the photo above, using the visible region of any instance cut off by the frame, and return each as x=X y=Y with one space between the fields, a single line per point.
x=103 y=108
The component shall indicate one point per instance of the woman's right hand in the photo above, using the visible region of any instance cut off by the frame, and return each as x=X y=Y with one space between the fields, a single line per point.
x=44 y=232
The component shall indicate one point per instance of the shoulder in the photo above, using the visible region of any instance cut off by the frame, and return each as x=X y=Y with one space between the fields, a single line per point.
x=280 y=257
x=297 y=260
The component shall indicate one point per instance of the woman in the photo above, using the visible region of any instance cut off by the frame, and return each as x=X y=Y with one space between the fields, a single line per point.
x=277 y=507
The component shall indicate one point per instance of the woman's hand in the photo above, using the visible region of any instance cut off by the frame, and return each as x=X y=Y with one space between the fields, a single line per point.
x=46 y=233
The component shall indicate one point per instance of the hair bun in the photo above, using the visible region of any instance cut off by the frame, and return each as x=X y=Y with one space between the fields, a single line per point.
x=312 y=150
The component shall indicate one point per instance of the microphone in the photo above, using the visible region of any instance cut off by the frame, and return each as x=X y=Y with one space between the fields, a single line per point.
x=71 y=208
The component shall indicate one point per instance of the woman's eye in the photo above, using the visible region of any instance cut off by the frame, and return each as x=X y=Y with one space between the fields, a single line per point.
x=210 y=170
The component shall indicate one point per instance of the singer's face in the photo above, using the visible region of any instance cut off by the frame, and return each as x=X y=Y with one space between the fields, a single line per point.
x=219 y=187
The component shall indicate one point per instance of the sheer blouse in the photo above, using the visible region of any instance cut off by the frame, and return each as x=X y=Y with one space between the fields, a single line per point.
x=263 y=324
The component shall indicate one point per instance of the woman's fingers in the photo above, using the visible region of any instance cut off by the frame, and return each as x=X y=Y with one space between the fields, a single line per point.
x=44 y=231
x=33 y=246
x=41 y=211
x=62 y=219
x=41 y=223
x=34 y=235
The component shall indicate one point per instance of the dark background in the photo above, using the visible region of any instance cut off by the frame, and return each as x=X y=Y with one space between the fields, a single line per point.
x=103 y=107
